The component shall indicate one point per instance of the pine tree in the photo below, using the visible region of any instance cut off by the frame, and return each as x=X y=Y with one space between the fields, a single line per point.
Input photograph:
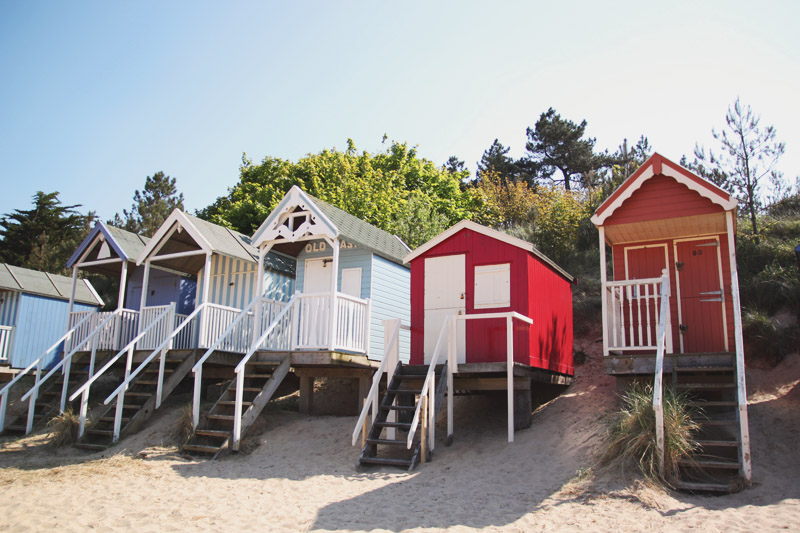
x=151 y=206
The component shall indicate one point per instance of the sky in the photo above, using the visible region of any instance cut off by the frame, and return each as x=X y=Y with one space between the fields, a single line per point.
x=95 y=96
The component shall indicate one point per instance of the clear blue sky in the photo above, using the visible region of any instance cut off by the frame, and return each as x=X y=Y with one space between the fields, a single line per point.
x=97 y=95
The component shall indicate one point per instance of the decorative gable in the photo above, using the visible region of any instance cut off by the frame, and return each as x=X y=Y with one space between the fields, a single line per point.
x=295 y=219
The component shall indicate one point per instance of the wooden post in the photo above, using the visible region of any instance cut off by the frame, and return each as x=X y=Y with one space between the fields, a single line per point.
x=510 y=376
x=306 y=394
x=123 y=283
x=145 y=283
x=72 y=296
x=390 y=352
x=364 y=426
x=744 y=449
x=603 y=280
x=204 y=299
x=334 y=280
x=258 y=318
x=424 y=430
x=452 y=363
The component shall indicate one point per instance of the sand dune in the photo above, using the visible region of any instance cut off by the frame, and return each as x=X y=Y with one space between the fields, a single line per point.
x=300 y=475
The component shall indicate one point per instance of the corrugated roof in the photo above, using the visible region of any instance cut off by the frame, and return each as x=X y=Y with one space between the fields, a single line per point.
x=131 y=243
x=364 y=234
x=44 y=284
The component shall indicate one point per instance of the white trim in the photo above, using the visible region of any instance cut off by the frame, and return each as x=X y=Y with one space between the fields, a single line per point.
x=666 y=170
x=603 y=282
x=177 y=219
x=643 y=241
x=488 y=232
x=94 y=292
x=721 y=286
x=666 y=255
x=294 y=198
x=99 y=262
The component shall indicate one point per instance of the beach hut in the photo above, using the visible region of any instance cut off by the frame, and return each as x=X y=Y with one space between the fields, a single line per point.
x=488 y=312
x=350 y=278
x=33 y=311
x=671 y=301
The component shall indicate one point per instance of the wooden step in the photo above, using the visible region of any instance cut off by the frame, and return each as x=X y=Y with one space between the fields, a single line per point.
x=221 y=417
x=15 y=427
x=702 y=487
x=125 y=420
x=103 y=432
x=399 y=425
x=403 y=391
x=719 y=443
x=258 y=376
x=706 y=386
x=704 y=368
x=233 y=402
x=719 y=422
x=90 y=446
x=399 y=407
x=713 y=404
x=138 y=394
x=710 y=463
x=200 y=448
x=146 y=382
x=388 y=442
x=213 y=433
x=387 y=461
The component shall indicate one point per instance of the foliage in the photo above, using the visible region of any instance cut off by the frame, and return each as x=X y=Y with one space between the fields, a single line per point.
x=506 y=203
x=748 y=155
x=63 y=429
x=496 y=162
x=44 y=237
x=767 y=339
x=631 y=439
x=151 y=206
x=418 y=221
x=556 y=144
x=372 y=187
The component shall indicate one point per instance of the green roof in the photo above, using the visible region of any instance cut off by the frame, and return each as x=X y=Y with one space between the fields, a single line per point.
x=29 y=281
x=131 y=243
x=363 y=234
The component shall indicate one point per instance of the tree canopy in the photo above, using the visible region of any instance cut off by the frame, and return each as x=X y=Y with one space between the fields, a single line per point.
x=151 y=206
x=376 y=188
x=44 y=237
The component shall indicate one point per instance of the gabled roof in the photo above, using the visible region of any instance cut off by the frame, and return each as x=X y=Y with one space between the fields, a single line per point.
x=55 y=286
x=212 y=238
x=125 y=244
x=491 y=233
x=326 y=221
x=656 y=165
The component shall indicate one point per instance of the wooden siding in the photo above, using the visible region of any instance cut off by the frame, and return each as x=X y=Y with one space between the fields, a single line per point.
x=164 y=288
x=537 y=291
x=662 y=197
x=391 y=292
x=233 y=282
x=348 y=258
x=8 y=307
x=40 y=322
x=618 y=261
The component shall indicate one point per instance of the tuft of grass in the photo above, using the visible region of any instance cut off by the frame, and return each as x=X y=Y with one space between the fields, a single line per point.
x=184 y=429
x=63 y=429
x=631 y=440
x=766 y=339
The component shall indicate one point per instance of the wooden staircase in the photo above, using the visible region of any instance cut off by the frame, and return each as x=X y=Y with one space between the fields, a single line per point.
x=716 y=466
x=49 y=398
x=402 y=398
x=214 y=434
x=140 y=400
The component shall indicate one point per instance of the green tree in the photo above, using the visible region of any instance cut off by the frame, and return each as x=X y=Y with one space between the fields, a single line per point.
x=44 y=237
x=372 y=187
x=748 y=154
x=151 y=206
x=496 y=161
x=556 y=144
x=417 y=220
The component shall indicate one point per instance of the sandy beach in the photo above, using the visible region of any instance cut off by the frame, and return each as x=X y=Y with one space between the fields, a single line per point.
x=298 y=474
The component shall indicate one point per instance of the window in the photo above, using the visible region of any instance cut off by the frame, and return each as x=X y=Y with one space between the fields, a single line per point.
x=492 y=286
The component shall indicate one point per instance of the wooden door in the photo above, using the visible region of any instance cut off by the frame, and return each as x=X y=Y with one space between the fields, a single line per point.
x=317 y=275
x=643 y=262
x=700 y=296
x=445 y=295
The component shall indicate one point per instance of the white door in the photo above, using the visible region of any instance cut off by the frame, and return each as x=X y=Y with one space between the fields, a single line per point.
x=445 y=295
x=317 y=275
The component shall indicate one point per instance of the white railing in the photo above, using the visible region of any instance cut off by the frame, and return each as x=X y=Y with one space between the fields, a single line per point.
x=311 y=321
x=6 y=334
x=662 y=335
x=634 y=311
x=114 y=334
x=222 y=339
x=352 y=323
x=37 y=365
x=240 y=370
x=184 y=336
x=280 y=339
x=185 y=324
x=155 y=335
x=391 y=358
x=217 y=320
x=156 y=322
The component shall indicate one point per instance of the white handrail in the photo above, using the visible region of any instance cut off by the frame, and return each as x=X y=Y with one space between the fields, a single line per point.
x=658 y=406
x=426 y=386
x=159 y=349
x=237 y=412
x=372 y=395
x=197 y=369
x=37 y=364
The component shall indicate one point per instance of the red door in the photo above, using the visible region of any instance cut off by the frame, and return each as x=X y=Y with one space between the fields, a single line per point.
x=701 y=296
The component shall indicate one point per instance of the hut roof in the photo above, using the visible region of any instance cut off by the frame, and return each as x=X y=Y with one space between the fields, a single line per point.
x=29 y=281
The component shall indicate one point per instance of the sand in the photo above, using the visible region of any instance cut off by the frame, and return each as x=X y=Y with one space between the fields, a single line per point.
x=299 y=475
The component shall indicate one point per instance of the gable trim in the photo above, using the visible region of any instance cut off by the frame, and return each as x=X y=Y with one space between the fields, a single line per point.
x=175 y=220
x=273 y=231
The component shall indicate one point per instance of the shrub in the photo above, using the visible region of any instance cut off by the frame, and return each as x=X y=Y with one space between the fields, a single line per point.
x=631 y=440
x=64 y=429
x=766 y=339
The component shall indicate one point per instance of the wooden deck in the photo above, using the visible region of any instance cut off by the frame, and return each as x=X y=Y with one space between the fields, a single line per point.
x=644 y=364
